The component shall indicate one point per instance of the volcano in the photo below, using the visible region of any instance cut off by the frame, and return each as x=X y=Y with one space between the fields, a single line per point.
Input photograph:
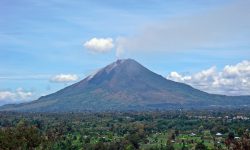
x=126 y=85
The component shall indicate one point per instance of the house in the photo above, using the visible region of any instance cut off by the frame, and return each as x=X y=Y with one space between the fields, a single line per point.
x=218 y=134
x=192 y=134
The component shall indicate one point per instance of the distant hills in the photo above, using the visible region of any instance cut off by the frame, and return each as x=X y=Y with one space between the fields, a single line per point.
x=126 y=85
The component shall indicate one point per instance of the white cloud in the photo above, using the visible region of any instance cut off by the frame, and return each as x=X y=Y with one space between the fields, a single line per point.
x=220 y=27
x=64 y=78
x=240 y=69
x=6 y=95
x=231 y=80
x=99 y=45
x=17 y=96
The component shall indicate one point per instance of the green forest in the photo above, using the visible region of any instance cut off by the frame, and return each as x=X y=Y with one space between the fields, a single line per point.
x=154 y=130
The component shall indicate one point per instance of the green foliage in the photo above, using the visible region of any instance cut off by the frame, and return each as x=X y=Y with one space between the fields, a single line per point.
x=200 y=146
x=22 y=136
x=123 y=131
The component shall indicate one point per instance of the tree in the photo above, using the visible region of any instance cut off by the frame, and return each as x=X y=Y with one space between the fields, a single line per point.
x=200 y=146
x=231 y=136
x=23 y=136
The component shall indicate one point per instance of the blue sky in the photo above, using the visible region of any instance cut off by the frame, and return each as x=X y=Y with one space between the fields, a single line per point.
x=43 y=42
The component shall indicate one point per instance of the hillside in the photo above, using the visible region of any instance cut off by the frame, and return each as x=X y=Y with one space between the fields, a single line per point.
x=126 y=85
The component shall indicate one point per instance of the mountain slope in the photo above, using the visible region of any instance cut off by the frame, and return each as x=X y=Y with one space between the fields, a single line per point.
x=125 y=85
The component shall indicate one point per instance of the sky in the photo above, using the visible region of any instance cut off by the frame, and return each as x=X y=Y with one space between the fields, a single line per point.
x=46 y=45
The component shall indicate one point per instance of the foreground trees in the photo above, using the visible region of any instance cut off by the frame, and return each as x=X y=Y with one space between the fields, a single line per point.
x=166 y=130
x=23 y=136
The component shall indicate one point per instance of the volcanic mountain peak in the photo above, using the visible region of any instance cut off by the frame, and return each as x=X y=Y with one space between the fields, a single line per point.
x=120 y=64
x=115 y=64
x=126 y=85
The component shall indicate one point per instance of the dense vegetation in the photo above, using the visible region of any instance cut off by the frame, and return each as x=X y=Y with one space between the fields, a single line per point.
x=164 y=130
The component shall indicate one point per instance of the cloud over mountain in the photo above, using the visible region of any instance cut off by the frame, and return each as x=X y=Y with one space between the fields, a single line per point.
x=232 y=79
x=99 y=45
x=64 y=78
